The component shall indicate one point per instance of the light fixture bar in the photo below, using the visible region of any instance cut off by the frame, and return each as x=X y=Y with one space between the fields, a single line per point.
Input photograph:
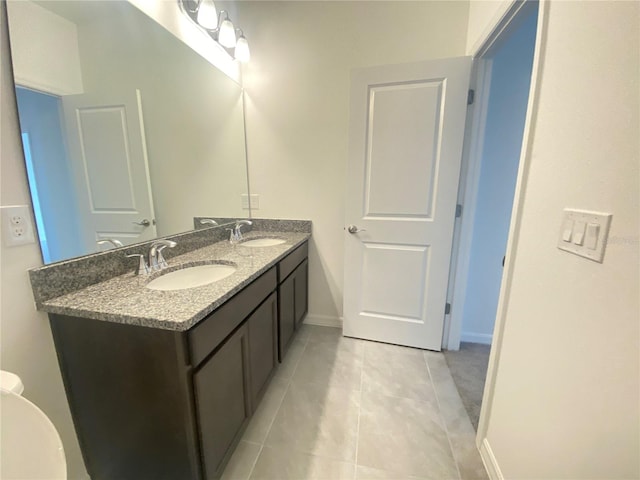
x=219 y=26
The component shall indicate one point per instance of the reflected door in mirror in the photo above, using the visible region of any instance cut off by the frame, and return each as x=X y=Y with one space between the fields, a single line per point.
x=108 y=155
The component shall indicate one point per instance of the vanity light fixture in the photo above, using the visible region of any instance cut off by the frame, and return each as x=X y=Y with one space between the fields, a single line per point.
x=242 y=53
x=218 y=26
x=207 y=15
x=227 y=32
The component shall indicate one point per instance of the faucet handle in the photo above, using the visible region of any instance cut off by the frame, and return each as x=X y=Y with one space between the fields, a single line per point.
x=156 y=260
x=143 y=268
x=237 y=230
x=162 y=263
x=233 y=235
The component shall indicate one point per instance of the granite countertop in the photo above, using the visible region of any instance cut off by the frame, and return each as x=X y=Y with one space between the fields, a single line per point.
x=125 y=298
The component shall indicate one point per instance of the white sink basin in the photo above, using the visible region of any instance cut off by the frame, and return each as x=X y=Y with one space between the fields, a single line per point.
x=263 y=242
x=191 y=277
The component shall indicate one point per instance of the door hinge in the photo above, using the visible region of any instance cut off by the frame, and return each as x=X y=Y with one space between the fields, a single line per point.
x=458 y=211
x=471 y=96
x=447 y=308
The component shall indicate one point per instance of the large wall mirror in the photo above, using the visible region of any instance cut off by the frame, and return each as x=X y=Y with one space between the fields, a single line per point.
x=128 y=133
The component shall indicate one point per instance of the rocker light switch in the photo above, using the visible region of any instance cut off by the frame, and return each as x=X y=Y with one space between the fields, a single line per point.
x=567 y=230
x=591 y=237
x=584 y=233
x=578 y=233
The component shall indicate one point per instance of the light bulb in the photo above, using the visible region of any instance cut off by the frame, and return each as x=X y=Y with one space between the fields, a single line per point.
x=242 y=50
x=207 y=15
x=227 y=35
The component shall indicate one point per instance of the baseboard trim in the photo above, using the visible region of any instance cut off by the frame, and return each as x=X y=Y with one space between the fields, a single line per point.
x=489 y=460
x=484 y=338
x=323 y=320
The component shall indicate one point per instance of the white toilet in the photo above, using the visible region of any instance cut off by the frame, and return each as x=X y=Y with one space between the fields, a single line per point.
x=30 y=446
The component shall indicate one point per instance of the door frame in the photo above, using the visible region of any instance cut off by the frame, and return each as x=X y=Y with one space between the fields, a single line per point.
x=501 y=23
x=471 y=166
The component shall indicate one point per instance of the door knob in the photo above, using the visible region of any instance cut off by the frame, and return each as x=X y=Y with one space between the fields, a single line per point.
x=143 y=223
x=355 y=229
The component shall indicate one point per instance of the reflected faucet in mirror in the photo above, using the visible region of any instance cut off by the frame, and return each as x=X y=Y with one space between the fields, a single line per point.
x=107 y=168
x=208 y=221
x=110 y=241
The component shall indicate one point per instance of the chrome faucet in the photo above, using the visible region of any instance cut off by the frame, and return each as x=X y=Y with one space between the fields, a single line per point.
x=143 y=268
x=209 y=221
x=156 y=260
x=236 y=232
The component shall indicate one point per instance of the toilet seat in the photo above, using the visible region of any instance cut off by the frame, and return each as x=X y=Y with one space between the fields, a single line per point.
x=31 y=446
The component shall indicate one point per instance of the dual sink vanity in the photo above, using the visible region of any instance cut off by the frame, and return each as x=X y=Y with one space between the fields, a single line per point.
x=162 y=382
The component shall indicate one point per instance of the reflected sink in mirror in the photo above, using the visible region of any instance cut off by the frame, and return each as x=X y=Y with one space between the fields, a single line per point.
x=262 y=242
x=191 y=277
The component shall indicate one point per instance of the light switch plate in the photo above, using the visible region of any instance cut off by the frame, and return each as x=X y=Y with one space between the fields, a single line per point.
x=579 y=219
x=254 y=198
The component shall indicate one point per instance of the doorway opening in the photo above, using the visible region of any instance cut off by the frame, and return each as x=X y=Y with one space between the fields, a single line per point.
x=50 y=181
x=503 y=78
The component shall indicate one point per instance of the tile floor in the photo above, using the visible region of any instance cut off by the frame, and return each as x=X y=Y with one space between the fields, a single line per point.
x=340 y=408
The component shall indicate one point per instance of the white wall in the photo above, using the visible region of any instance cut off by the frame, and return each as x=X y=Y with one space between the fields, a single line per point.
x=508 y=97
x=566 y=399
x=483 y=16
x=297 y=110
x=52 y=62
x=167 y=13
x=26 y=345
x=192 y=115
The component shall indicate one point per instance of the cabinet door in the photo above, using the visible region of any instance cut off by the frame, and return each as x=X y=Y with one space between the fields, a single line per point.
x=263 y=346
x=222 y=401
x=286 y=317
x=301 y=291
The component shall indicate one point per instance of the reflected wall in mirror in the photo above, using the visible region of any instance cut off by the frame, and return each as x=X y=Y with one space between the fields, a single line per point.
x=128 y=133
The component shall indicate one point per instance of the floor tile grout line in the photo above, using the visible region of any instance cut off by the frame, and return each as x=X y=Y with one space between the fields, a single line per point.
x=293 y=371
x=275 y=415
x=310 y=454
x=255 y=462
x=444 y=421
x=286 y=390
x=355 y=468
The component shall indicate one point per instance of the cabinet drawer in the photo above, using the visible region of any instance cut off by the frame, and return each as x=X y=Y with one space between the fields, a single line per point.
x=211 y=331
x=291 y=261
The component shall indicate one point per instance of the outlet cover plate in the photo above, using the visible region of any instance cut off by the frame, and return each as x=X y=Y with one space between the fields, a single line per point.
x=17 y=225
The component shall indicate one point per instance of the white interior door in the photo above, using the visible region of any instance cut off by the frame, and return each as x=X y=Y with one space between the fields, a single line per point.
x=406 y=134
x=107 y=148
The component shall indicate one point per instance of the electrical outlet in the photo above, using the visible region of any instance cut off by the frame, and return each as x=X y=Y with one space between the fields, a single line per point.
x=17 y=225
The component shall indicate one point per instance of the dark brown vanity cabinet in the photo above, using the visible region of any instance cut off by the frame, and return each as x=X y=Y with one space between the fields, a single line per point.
x=150 y=403
x=293 y=274
x=223 y=403
x=159 y=404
